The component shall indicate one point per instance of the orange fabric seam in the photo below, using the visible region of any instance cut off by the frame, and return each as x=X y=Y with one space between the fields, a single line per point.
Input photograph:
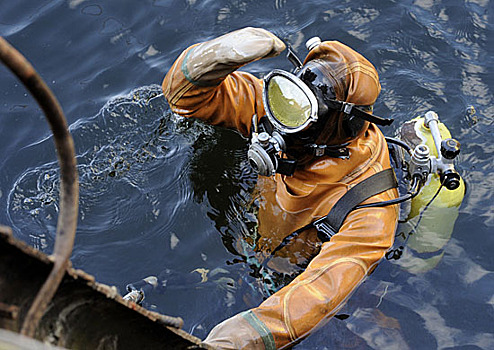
x=358 y=67
x=363 y=167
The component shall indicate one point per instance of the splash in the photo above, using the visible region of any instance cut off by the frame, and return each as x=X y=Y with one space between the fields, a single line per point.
x=130 y=149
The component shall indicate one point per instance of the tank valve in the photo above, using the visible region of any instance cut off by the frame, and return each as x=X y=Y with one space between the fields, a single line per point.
x=450 y=148
x=313 y=43
x=420 y=163
x=450 y=179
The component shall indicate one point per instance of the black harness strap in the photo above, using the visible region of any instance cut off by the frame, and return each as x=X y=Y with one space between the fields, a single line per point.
x=329 y=225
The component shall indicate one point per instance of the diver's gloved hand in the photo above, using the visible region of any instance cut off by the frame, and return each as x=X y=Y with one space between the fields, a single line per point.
x=235 y=333
x=219 y=57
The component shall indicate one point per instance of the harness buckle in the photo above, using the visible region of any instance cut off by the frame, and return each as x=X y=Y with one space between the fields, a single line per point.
x=324 y=230
x=319 y=151
x=347 y=107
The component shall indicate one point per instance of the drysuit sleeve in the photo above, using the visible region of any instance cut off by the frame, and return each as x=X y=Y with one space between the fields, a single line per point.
x=311 y=299
x=203 y=82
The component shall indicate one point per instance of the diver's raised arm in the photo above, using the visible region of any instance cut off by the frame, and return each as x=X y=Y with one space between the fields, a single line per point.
x=209 y=62
x=202 y=83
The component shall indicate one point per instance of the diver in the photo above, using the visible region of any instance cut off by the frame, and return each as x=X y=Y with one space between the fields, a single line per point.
x=314 y=138
x=328 y=206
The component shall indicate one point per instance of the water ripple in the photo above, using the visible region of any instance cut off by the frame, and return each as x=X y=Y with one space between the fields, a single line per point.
x=133 y=151
x=161 y=192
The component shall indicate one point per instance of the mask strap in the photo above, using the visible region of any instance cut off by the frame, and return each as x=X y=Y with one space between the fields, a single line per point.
x=293 y=58
x=338 y=151
x=351 y=109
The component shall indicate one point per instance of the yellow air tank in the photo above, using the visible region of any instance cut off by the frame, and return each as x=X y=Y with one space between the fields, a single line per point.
x=433 y=214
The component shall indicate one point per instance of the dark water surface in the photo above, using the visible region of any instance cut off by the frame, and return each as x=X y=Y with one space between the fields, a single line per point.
x=159 y=192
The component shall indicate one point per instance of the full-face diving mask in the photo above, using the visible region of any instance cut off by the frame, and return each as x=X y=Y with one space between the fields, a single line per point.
x=291 y=109
x=290 y=105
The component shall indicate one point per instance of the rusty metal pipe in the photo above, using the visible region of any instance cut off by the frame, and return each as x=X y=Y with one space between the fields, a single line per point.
x=69 y=184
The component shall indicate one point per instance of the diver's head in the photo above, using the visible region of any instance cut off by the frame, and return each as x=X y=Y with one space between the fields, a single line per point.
x=316 y=111
x=325 y=104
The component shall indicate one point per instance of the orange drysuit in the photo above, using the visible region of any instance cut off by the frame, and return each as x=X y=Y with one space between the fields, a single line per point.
x=288 y=203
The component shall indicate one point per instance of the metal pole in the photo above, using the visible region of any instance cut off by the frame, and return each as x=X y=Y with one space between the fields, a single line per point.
x=69 y=184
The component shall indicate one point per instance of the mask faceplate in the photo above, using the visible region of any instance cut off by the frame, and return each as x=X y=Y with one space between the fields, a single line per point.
x=290 y=105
